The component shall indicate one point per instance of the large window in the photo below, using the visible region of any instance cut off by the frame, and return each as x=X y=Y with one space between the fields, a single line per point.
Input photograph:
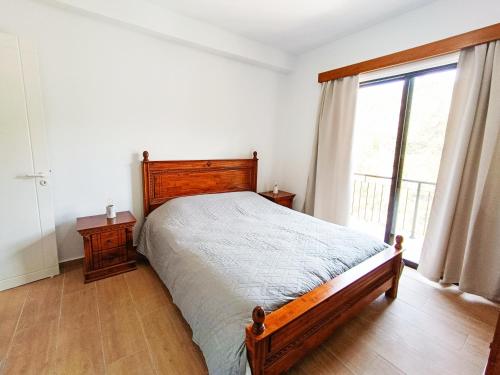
x=399 y=136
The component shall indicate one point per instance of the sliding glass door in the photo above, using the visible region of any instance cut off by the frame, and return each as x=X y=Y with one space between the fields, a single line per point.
x=399 y=135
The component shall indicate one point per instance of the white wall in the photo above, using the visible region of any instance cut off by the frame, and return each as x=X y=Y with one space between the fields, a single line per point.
x=436 y=21
x=110 y=93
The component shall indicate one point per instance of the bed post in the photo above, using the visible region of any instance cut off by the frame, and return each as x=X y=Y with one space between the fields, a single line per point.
x=145 y=182
x=254 y=180
x=397 y=267
x=257 y=347
x=258 y=317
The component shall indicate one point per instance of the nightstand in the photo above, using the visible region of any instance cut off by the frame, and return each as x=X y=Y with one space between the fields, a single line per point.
x=108 y=245
x=283 y=198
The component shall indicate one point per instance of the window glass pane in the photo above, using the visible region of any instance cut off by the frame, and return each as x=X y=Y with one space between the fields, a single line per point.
x=430 y=104
x=376 y=129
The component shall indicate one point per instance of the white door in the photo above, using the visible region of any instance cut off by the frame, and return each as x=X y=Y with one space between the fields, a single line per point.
x=28 y=249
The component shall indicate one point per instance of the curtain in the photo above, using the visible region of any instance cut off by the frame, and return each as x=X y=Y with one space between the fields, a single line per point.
x=328 y=193
x=462 y=243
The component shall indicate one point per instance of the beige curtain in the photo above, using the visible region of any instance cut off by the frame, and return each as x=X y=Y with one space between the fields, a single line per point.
x=462 y=243
x=328 y=193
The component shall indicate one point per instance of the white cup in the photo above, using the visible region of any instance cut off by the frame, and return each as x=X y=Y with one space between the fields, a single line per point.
x=110 y=211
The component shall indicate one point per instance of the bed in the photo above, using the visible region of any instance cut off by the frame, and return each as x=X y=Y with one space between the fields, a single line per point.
x=259 y=284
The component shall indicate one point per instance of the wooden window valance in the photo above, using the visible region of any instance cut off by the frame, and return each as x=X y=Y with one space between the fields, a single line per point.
x=441 y=47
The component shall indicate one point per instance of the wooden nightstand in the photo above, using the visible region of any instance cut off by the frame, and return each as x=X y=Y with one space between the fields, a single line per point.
x=108 y=245
x=283 y=198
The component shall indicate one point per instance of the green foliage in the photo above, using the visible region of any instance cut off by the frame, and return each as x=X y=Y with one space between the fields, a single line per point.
x=377 y=123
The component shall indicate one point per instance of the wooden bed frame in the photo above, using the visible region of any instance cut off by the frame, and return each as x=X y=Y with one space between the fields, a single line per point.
x=276 y=341
x=493 y=365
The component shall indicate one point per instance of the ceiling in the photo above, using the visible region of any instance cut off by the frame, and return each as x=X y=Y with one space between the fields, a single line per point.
x=294 y=26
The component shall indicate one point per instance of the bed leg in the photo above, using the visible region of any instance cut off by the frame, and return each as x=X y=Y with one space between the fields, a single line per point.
x=398 y=269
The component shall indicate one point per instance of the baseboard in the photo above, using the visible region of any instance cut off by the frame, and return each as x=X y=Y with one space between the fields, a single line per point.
x=70 y=259
x=28 y=278
x=79 y=257
x=139 y=257
x=409 y=263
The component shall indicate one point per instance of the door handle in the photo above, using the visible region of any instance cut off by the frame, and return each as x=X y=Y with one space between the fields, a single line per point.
x=36 y=175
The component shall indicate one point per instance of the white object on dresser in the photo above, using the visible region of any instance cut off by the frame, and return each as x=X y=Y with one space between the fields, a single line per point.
x=110 y=211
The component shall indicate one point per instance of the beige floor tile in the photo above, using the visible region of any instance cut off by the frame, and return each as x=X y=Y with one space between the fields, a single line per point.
x=33 y=349
x=320 y=362
x=380 y=366
x=43 y=302
x=79 y=350
x=112 y=291
x=355 y=354
x=172 y=350
x=143 y=281
x=121 y=332
x=79 y=342
x=11 y=304
x=78 y=309
x=73 y=281
x=135 y=364
x=404 y=316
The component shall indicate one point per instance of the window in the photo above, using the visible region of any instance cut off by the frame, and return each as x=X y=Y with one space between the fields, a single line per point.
x=399 y=136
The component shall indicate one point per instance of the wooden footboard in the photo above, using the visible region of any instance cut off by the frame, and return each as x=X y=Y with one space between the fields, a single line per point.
x=277 y=341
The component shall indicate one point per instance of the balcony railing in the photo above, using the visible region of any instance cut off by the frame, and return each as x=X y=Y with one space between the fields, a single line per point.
x=370 y=202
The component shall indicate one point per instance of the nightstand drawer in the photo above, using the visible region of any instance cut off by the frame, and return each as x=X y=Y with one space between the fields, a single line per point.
x=108 y=240
x=283 y=198
x=287 y=202
x=109 y=257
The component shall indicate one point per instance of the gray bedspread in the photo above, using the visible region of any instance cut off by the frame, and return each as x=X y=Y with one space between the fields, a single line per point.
x=220 y=255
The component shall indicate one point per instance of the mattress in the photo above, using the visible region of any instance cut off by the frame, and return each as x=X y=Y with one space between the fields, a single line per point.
x=220 y=255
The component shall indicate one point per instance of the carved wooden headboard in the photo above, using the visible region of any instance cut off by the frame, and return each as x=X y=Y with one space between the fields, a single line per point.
x=165 y=180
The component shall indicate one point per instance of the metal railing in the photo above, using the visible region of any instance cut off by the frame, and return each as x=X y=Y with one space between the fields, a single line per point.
x=370 y=201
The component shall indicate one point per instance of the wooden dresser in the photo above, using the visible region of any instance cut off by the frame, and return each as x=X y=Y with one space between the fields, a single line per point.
x=283 y=198
x=108 y=245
